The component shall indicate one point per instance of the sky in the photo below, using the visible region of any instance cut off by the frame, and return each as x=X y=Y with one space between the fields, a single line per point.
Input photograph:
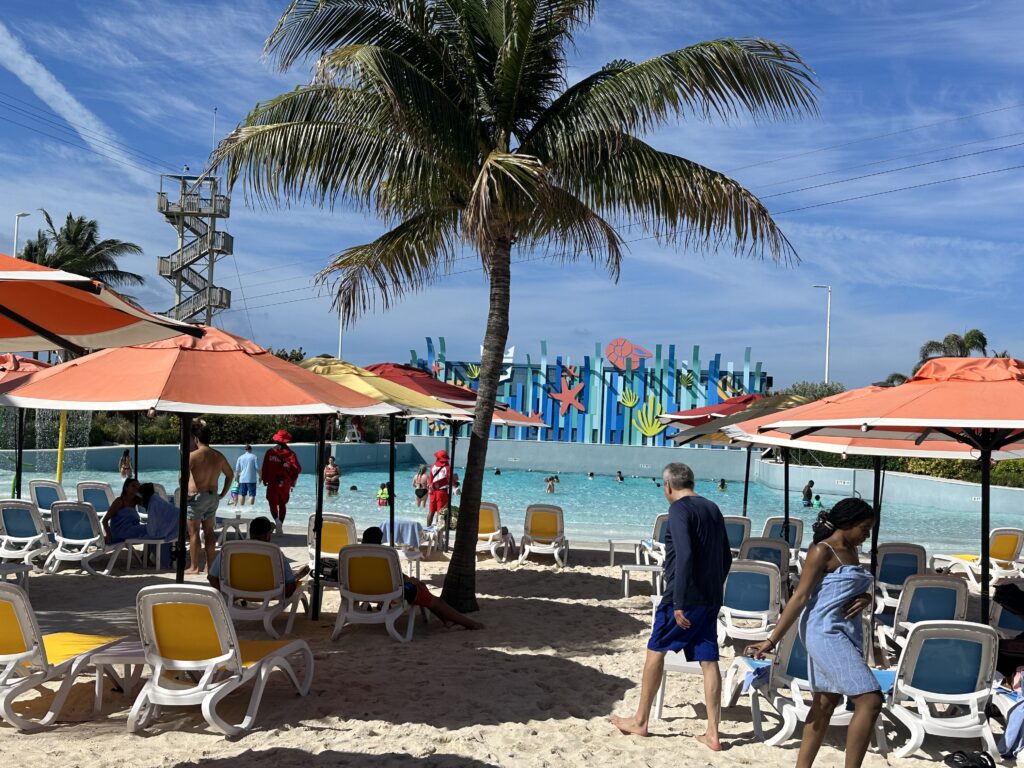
x=904 y=193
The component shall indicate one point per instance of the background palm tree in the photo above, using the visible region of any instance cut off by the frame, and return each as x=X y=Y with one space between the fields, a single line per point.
x=76 y=247
x=953 y=345
x=454 y=123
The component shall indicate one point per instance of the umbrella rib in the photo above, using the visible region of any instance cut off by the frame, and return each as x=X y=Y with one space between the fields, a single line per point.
x=51 y=337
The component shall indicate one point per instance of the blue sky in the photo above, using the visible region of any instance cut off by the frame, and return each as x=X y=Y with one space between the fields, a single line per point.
x=137 y=82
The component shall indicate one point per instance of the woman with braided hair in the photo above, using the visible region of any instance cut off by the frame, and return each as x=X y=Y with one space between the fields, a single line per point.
x=834 y=590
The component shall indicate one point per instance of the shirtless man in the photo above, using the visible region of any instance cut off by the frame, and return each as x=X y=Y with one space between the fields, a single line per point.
x=205 y=466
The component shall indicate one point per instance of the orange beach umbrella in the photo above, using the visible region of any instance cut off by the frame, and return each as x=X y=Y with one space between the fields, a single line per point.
x=46 y=309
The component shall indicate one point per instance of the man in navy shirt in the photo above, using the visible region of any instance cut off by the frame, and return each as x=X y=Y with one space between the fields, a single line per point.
x=697 y=560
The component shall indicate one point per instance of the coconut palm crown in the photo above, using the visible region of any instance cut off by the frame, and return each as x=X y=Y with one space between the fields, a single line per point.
x=454 y=122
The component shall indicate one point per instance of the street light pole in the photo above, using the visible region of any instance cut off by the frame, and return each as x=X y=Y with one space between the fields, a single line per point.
x=17 y=218
x=828 y=324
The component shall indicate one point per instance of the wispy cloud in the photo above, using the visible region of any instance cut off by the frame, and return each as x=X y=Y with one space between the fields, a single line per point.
x=19 y=62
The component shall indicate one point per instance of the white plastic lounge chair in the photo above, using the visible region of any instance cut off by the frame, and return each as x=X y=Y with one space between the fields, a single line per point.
x=185 y=628
x=1007 y=623
x=544 y=533
x=23 y=536
x=752 y=602
x=490 y=538
x=28 y=658
x=338 y=531
x=653 y=549
x=100 y=495
x=252 y=578
x=370 y=573
x=949 y=663
x=927 y=597
x=738 y=530
x=896 y=563
x=1003 y=551
x=773 y=530
x=787 y=689
x=43 y=493
x=79 y=538
x=765 y=550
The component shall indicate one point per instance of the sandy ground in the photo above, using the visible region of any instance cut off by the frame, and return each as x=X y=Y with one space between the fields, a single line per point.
x=562 y=650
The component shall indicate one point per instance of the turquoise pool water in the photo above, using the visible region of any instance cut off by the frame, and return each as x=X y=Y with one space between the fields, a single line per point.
x=595 y=510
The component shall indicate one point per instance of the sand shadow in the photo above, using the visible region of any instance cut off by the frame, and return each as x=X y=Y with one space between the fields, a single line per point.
x=281 y=757
x=57 y=601
x=551 y=583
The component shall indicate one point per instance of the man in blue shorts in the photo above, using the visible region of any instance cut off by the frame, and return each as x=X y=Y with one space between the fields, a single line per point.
x=697 y=560
x=247 y=470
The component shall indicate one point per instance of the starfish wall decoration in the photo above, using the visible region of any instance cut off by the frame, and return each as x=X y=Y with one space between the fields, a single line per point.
x=568 y=396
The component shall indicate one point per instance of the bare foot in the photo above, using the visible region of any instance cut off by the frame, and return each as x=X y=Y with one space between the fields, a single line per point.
x=191 y=571
x=628 y=725
x=713 y=744
x=470 y=624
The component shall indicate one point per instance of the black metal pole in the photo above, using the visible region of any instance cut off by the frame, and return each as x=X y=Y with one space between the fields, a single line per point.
x=318 y=516
x=183 y=474
x=19 y=452
x=391 y=477
x=785 y=492
x=877 y=462
x=986 y=480
x=746 y=481
x=451 y=475
x=135 y=465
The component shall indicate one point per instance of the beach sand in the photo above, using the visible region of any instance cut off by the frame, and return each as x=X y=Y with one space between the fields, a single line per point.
x=562 y=650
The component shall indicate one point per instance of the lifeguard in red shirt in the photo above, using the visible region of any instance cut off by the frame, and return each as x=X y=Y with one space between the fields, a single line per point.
x=280 y=472
x=439 y=473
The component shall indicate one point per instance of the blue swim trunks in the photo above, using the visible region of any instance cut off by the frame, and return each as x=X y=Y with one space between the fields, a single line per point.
x=698 y=643
x=247 y=489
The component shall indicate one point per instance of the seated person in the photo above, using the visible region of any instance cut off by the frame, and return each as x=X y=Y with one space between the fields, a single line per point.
x=162 y=522
x=122 y=521
x=417 y=594
x=260 y=529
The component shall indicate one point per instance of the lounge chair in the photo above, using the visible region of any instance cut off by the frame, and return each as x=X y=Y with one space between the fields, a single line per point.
x=653 y=549
x=23 y=535
x=1007 y=623
x=196 y=659
x=100 y=495
x=752 y=602
x=544 y=533
x=161 y=491
x=927 y=597
x=337 y=531
x=765 y=550
x=1003 y=551
x=252 y=578
x=947 y=663
x=786 y=689
x=491 y=537
x=773 y=530
x=372 y=574
x=28 y=659
x=43 y=493
x=79 y=538
x=896 y=563
x=738 y=530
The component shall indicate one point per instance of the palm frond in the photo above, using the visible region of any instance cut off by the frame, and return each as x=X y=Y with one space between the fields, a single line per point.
x=931 y=349
x=506 y=184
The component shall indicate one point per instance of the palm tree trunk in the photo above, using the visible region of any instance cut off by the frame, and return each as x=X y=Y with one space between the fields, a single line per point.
x=460 y=581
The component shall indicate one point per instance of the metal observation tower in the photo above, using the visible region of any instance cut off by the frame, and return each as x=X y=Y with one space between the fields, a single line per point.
x=189 y=269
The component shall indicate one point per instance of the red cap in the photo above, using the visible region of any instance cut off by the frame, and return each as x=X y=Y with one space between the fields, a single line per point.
x=282 y=436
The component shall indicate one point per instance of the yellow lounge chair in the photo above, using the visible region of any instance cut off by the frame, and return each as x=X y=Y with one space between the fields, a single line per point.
x=1003 y=551
x=255 y=585
x=338 y=531
x=372 y=574
x=29 y=658
x=185 y=628
x=490 y=537
x=544 y=533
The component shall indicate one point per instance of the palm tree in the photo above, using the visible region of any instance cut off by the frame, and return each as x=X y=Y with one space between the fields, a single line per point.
x=454 y=123
x=894 y=379
x=953 y=345
x=76 y=247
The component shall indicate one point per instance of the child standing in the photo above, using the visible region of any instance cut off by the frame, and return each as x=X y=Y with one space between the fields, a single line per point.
x=382 y=495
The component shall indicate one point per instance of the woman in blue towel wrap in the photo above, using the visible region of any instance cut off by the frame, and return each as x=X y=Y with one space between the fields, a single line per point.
x=834 y=590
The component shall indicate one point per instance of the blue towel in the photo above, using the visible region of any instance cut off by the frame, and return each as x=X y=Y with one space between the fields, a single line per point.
x=407 y=533
x=1012 y=742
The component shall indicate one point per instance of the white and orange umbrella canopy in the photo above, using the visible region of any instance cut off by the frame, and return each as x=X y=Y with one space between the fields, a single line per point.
x=218 y=373
x=14 y=367
x=48 y=309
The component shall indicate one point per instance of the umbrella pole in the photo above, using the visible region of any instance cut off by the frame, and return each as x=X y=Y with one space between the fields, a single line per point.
x=746 y=481
x=183 y=448
x=135 y=458
x=451 y=475
x=785 y=491
x=19 y=452
x=877 y=462
x=986 y=480
x=391 y=477
x=318 y=517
